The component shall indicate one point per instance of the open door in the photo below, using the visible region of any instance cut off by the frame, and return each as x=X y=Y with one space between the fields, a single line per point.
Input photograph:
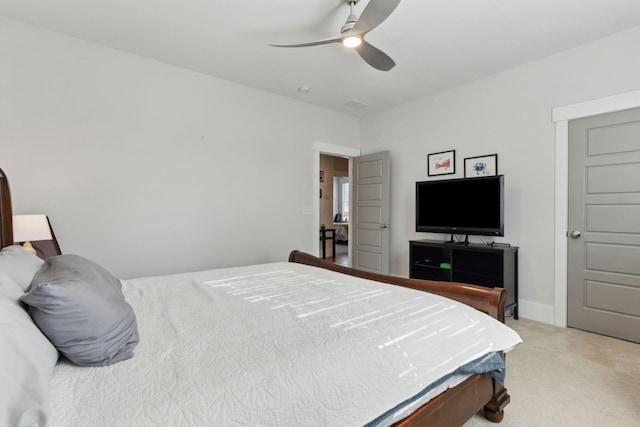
x=370 y=218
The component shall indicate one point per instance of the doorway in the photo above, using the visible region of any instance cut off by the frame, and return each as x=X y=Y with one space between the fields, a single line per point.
x=604 y=224
x=561 y=118
x=318 y=149
x=369 y=206
x=335 y=208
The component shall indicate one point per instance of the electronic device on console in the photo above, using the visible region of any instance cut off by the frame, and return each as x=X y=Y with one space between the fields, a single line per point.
x=470 y=206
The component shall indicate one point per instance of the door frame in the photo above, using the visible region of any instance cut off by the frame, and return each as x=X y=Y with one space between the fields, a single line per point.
x=561 y=117
x=331 y=150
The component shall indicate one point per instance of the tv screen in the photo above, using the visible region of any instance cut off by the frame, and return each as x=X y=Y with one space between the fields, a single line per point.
x=461 y=206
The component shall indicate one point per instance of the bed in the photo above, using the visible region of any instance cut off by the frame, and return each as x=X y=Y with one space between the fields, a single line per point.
x=303 y=342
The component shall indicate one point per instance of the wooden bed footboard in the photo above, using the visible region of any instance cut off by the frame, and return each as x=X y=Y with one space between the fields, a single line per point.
x=456 y=405
x=487 y=300
x=480 y=391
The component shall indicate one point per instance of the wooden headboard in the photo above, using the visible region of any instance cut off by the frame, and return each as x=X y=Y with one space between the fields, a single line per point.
x=44 y=248
x=6 y=215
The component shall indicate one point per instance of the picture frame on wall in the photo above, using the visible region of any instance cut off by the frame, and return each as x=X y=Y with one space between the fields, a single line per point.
x=443 y=163
x=486 y=165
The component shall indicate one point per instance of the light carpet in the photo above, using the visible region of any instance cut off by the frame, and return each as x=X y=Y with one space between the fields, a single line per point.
x=568 y=377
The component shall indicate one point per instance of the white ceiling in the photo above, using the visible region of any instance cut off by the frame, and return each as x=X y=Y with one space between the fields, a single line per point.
x=436 y=44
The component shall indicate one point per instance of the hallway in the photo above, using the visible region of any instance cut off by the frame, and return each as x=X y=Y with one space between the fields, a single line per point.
x=342 y=254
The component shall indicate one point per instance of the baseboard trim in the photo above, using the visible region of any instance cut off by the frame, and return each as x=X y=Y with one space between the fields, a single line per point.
x=536 y=311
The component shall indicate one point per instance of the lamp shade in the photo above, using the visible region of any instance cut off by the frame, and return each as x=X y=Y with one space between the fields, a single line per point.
x=31 y=228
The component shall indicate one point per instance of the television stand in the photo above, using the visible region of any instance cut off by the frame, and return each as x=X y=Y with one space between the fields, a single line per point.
x=478 y=264
x=452 y=241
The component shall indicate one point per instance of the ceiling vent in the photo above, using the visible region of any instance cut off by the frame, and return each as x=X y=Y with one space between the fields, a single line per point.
x=357 y=105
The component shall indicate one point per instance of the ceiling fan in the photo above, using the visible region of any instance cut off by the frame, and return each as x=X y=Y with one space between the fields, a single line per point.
x=354 y=30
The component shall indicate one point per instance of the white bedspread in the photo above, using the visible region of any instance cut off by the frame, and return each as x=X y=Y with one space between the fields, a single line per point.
x=273 y=345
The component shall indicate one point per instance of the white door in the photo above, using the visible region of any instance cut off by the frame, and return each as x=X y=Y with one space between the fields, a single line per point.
x=371 y=212
x=604 y=225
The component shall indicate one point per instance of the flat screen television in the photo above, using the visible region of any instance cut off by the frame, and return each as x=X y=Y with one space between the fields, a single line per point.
x=461 y=206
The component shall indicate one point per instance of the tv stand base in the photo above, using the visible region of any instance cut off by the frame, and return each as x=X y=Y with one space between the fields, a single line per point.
x=452 y=241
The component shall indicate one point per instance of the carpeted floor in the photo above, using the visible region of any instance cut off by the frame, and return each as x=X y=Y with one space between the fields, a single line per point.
x=567 y=377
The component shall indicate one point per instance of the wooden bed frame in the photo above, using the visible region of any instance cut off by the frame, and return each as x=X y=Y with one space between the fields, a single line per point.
x=478 y=392
x=44 y=248
x=451 y=408
x=6 y=215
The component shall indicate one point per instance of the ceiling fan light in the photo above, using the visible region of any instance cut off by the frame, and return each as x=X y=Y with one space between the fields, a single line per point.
x=352 y=41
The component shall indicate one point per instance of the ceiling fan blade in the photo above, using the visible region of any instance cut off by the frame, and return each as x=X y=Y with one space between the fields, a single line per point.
x=335 y=39
x=375 y=57
x=374 y=14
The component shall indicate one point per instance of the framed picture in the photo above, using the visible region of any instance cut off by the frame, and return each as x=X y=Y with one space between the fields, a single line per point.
x=481 y=166
x=443 y=163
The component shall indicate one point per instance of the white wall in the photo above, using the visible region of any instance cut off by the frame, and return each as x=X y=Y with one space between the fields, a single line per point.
x=148 y=168
x=508 y=114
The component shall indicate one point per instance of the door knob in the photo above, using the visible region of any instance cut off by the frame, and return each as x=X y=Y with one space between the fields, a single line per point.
x=575 y=234
x=385 y=225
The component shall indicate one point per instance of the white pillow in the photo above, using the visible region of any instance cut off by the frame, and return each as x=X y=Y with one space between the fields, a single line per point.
x=19 y=264
x=27 y=360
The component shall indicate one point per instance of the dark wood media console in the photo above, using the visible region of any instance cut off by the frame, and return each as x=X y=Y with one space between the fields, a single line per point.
x=477 y=264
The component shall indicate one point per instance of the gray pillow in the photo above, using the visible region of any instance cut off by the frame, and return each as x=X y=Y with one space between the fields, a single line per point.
x=19 y=264
x=27 y=359
x=80 y=307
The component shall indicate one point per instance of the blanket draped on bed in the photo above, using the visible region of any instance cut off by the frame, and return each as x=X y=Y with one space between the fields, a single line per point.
x=279 y=344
